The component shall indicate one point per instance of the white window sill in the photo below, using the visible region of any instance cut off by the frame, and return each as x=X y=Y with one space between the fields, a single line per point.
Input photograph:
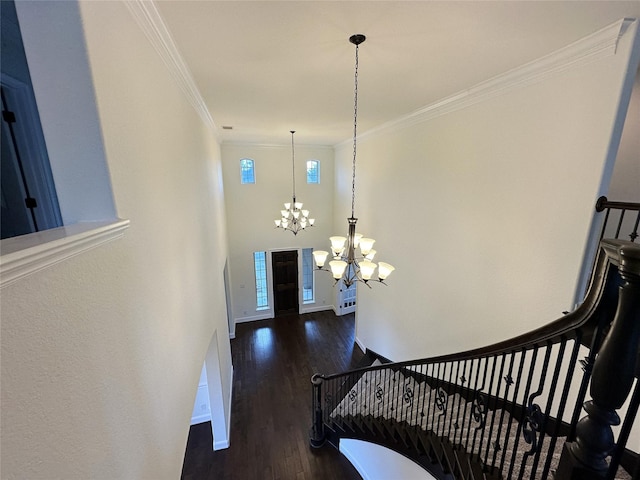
x=27 y=254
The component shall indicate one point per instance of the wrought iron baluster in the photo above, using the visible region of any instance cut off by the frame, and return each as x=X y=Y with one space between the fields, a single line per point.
x=634 y=233
x=462 y=401
x=436 y=389
x=446 y=413
x=475 y=369
x=534 y=417
x=509 y=381
x=495 y=404
x=563 y=401
x=444 y=395
x=454 y=418
x=550 y=399
x=422 y=384
x=605 y=222
x=531 y=368
x=480 y=407
x=428 y=401
x=620 y=220
x=496 y=446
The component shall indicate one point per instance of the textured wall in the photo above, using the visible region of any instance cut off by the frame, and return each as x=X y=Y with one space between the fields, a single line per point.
x=101 y=354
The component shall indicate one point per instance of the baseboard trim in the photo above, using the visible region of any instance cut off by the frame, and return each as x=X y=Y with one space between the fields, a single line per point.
x=221 y=445
x=361 y=345
x=316 y=308
x=254 y=318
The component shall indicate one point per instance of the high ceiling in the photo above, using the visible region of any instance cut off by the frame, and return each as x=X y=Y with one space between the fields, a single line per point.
x=267 y=67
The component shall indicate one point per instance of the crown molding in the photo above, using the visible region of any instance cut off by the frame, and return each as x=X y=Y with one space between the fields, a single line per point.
x=239 y=143
x=148 y=18
x=598 y=45
x=27 y=254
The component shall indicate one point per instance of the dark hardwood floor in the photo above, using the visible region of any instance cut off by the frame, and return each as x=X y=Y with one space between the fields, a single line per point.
x=273 y=363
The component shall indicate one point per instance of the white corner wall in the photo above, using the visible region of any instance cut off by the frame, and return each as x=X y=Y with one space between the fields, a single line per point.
x=253 y=208
x=489 y=232
x=102 y=353
x=625 y=181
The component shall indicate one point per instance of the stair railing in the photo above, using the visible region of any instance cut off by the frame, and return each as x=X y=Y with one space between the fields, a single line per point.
x=504 y=411
x=628 y=223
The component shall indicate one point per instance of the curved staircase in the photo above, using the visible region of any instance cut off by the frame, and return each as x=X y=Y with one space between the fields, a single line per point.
x=547 y=404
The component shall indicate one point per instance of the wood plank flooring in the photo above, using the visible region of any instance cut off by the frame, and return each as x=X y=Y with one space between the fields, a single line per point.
x=273 y=363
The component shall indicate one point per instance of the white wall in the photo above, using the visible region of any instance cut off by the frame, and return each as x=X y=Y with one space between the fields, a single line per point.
x=625 y=181
x=101 y=354
x=382 y=463
x=66 y=103
x=202 y=407
x=251 y=210
x=489 y=233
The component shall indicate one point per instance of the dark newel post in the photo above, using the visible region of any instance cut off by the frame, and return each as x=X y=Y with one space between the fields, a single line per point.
x=611 y=381
x=317 y=428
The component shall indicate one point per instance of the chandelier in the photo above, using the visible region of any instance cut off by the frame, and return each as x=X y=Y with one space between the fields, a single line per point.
x=293 y=218
x=346 y=264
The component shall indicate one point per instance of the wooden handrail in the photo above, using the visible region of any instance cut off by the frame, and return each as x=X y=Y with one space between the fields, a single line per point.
x=603 y=203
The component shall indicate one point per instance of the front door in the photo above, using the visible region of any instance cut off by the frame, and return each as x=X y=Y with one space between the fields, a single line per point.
x=285 y=282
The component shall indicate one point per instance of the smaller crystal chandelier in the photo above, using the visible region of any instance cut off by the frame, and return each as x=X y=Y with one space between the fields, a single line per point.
x=293 y=218
x=345 y=264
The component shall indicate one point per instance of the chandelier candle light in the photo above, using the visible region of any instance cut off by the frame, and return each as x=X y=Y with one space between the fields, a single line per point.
x=293 y=218
x=345 y=264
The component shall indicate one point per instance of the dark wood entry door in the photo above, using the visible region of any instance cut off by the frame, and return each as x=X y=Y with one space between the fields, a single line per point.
x=285 y=282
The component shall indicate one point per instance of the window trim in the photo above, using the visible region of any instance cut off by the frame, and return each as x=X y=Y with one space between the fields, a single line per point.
x=264 y=280
x=253 y=171
x=313 y=280
x=317 y=165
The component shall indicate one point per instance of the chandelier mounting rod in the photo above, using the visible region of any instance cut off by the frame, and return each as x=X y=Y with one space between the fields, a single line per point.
x=356 y=39
x=293 y=165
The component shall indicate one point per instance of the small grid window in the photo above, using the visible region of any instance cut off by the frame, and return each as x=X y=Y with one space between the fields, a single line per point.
x=247 y=173
x=313 y=171
x=307 y=276
x=260 y=265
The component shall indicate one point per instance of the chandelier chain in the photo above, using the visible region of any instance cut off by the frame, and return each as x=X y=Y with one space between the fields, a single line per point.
x=355 y=133
x=293 y=165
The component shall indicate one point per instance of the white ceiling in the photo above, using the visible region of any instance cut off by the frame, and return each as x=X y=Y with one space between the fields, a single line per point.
x=268 y=67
